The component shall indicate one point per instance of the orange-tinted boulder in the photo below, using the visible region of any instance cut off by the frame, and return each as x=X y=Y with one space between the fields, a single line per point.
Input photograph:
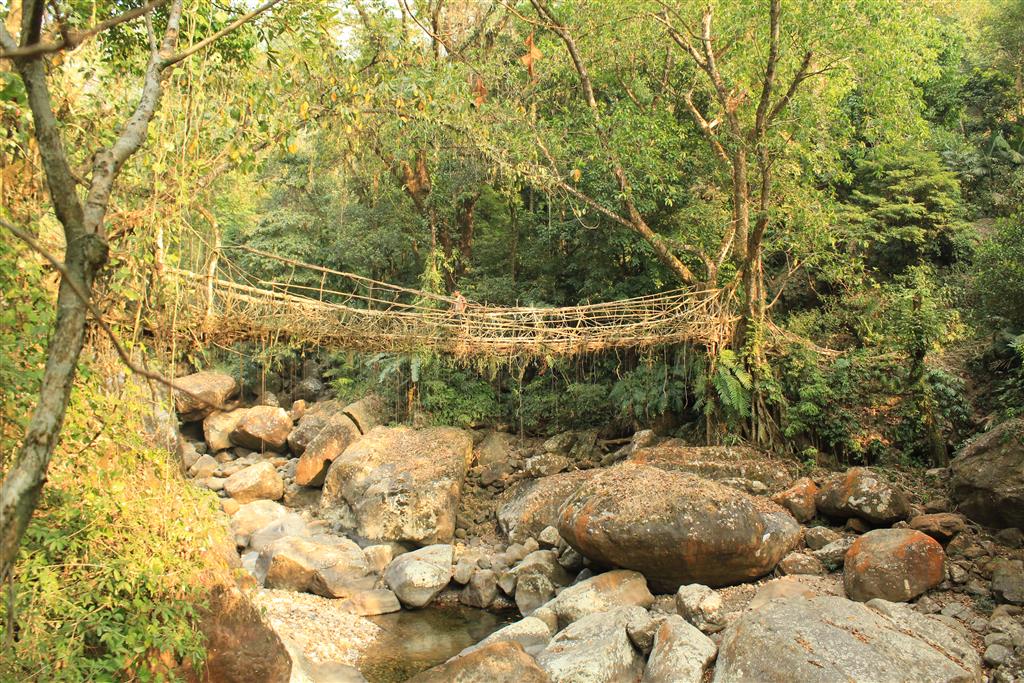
x=942 y=526
x=893 y=564
x=263 y=428
x=201 y=393
x=532 y=505
x=399 y=484
x=675 y=528
x=331 y=442
x=717 y=462
x=864 y=494
x=799 y=499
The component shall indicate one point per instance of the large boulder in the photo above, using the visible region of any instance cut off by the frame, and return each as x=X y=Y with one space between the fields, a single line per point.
x=1008 y=581
x=538 y=577
x=480 y=590
x=251 y=517
x=595 y=649
x=399 y=484
x=681 y=653
x=799 y=499
x=675 y=527
x=201 y=393
x=337 y=435
x=717 y=462
x=367 y=413
x=892 y=564
x=311 y=423
x=240 y=645
x=864 y=494
x=291 y=524
x=334 y=570
x=263 y=428
x=826 y=639
x=217 y=428
x=987 y=482
x=617 y=588
x=501 y=662
x=255 y=482
x=531 y=505
x=417 y=577
x=942 y=526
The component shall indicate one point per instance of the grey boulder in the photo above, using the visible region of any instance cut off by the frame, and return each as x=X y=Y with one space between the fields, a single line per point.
x=826 y=639
x=595 y=649
x=681 y=653
x=417 y=577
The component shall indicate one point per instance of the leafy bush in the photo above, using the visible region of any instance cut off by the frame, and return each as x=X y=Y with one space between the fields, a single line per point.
x=108 y=578
x=456 y=396
x=547 y=405
x=650 y=391
x=999 y=268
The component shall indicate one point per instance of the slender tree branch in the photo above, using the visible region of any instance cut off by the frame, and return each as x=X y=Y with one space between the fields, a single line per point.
x=635 y=220
x=206 y=42
x=72 y=39
x=107 y=163
x=760 y=118
x=97 y=316
x=706 y=128
x=802 y=74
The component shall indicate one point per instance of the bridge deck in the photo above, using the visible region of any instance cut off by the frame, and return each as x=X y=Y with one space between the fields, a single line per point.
x=396 y=319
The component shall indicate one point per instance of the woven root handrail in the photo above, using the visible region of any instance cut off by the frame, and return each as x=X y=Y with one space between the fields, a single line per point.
x=227 y=311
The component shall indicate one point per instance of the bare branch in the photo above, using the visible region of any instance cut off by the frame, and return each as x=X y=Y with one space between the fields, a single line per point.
x=72 y=39
x=107 y=163
x=79 y=292
x=574 y=55
x=760 y=118
x=802 y=74
x=707 y=128
x=233 y=26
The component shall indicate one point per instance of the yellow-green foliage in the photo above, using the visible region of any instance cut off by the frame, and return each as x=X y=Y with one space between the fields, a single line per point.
x=114 y=565
x=111 y=571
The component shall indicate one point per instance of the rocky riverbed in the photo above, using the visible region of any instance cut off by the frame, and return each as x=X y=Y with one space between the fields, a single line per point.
x=642 y=560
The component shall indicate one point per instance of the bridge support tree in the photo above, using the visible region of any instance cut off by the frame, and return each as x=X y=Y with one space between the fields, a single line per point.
x=739 y=133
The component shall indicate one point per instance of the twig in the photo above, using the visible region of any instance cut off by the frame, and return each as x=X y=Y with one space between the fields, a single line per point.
x=72 y=39
x=244 y=19
x=98 y=317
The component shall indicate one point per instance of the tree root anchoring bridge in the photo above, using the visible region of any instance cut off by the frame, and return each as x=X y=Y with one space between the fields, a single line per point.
x=380 y=317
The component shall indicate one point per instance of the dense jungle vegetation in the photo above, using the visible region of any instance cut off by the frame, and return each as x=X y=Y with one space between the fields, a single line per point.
x=851 y=170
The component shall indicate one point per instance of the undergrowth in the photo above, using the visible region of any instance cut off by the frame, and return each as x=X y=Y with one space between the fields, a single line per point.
x=114 y=566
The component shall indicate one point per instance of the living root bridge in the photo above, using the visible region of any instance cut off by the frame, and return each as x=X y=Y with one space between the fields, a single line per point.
x=380 y=317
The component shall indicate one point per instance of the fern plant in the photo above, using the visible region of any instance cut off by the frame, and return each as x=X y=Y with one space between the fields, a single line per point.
x=731 y=384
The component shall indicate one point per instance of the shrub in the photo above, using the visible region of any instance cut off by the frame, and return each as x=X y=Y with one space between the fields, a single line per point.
x=108 y=577
x=999 y=267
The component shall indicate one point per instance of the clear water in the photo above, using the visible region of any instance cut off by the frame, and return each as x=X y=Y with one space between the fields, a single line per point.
x=415 y=640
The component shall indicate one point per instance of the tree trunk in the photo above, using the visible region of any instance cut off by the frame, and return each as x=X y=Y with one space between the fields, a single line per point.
x=19 y=494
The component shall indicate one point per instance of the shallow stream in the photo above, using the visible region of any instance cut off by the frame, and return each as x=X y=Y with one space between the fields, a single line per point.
x=415 y=640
